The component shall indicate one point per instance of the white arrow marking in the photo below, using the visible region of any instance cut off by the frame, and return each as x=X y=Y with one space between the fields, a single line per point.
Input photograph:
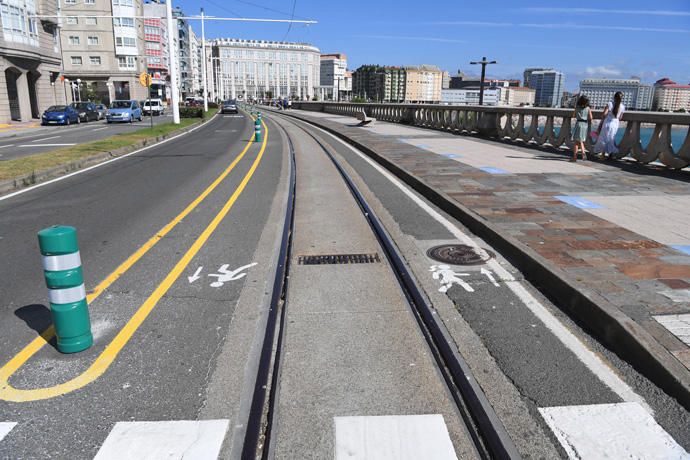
x=195 y=276
x=490 y=276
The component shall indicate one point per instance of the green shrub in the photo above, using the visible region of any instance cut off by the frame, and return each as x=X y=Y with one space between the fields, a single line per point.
x=191 y=112
x=212 y=105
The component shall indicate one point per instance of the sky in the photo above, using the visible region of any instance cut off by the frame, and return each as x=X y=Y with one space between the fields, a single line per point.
x=583 y=39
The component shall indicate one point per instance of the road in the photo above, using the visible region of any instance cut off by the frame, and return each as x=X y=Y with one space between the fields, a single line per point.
x=49 y=138
x=180 y=244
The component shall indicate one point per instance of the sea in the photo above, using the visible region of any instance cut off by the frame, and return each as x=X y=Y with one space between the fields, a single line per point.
x=677 y=136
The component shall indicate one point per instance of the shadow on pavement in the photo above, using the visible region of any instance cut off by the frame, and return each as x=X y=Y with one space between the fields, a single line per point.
x=38 y=318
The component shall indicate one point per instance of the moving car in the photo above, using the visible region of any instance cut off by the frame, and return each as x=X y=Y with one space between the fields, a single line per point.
x=229 y=106
x=102 y=109
x=87 y=110
x=123 y=110
x=154 y=106
x=59 y=115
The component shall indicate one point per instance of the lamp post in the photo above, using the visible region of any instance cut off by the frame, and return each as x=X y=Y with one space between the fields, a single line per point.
x=79 y=89
x=484 y=63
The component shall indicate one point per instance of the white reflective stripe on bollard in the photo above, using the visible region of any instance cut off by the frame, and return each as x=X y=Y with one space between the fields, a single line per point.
x=69 y=295
x=63 y=262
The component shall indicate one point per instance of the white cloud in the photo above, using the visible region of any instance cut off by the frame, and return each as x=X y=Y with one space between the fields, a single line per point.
x=604 y=11
x=413 y=38
x=603 y=71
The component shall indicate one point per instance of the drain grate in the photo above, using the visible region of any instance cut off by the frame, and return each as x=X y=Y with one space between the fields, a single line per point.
x=459 y=254
x=339 y=259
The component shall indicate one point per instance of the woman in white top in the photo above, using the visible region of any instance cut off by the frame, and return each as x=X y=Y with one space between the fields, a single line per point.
x=606 y=143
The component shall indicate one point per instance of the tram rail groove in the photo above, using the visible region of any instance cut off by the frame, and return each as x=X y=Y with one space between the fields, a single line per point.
x=485 y=428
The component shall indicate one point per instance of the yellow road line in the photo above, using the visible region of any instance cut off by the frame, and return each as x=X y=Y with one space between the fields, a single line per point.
x=8 y=393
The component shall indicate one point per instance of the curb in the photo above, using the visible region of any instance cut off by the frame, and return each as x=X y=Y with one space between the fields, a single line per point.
x=601 y=318
x=35 y=177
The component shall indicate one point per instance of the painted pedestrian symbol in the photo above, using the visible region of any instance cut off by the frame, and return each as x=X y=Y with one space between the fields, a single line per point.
x=448 y=278
x=224 y=275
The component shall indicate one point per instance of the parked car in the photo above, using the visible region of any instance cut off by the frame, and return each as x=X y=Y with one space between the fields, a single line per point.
x=229 y=106
x=60 y=115
x=123 y=110
x=102 y=109
x=154 y=106
x=87 y=110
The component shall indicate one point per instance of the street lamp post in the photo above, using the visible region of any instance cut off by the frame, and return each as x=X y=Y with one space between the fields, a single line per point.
x=174 y=94
x=203 y=60
x=484 y=63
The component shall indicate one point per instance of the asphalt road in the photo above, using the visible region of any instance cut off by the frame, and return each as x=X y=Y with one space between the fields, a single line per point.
x=48 y=138
x=163 y=371
x=528 y=357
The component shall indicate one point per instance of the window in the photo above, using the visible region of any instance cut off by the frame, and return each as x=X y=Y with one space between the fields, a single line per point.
x=152 y=30
x=70 y=2
x=153 y=46
x=76 y=60
x=72 y=20
x=126 y=62
x=126 y=41
x=93 y=40
x=91 y=20
x=95 y=60
x=123 y=22
x=123 y=2
x=73 y=40
x=89 y=2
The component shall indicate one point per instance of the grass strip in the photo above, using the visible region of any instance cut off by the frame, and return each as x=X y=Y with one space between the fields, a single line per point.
x=19 y=167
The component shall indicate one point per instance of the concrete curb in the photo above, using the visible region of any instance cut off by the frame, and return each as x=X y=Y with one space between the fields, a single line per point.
x=598 y=316
x=27 y=180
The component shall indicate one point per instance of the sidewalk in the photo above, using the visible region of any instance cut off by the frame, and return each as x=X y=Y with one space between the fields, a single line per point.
x=15 y=128
x=608 y=242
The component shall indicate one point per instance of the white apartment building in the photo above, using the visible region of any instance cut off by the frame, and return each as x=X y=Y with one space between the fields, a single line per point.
x=423 y=84
x=103 y=57
x=246 y=69
x=517 y=96
x=195 y=62
x=333 y=81
x=669 y=96
x=600 y=91
x=470 y=96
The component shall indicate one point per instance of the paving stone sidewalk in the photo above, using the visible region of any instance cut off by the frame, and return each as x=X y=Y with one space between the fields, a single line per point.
x=617 y=229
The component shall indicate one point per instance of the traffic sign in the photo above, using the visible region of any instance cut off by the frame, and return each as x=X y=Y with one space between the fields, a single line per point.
x=145 y=79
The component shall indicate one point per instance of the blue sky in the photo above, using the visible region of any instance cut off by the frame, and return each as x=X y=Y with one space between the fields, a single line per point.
x=614 y=38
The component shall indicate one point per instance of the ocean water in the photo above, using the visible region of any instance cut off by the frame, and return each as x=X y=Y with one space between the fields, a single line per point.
x=677 y=135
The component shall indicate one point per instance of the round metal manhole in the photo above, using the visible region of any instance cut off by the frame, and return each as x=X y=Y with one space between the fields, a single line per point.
x=459 y=254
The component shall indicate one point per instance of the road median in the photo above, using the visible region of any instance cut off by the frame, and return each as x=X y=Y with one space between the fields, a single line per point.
x=30 y=170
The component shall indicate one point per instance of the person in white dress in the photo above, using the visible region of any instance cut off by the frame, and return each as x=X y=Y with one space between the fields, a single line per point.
x=606 y=142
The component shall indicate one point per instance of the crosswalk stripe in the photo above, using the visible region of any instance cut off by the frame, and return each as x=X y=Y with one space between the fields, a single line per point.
x=5 y=428
x=169 y=439
x=620 y=430
x=404 y=437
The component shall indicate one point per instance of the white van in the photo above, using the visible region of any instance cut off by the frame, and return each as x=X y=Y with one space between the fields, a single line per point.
x=154 y=106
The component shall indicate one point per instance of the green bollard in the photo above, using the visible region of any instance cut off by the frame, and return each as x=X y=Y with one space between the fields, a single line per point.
x=257 y=130
x=66 y=291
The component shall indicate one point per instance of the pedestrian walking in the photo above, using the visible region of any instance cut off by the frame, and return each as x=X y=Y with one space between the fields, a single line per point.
x=582 y=115
x=606 y=143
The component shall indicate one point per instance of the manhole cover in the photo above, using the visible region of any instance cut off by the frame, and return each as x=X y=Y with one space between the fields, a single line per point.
x=459 y=254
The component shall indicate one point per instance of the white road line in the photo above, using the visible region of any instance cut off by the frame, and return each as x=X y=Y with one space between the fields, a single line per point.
x=622 y=430
x=5 y=428
x=406 y=437
x=81 y=171
x=44 y=145
x=173 y=439
x=98 y=129
x=593 y=362
x=46 y=138
x=5 y=146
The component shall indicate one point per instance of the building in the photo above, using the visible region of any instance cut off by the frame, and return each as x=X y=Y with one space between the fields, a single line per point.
x=548 y=84
x=103 y=57
x=470 y=96
x=423 y=84
x=30 y=60
x=599 y=91
x=518 y=96
x=332 y=77
x=246 y=69
x=461 y=80
x=528 y=72
x=502 y=83
x=156 y=45
x=184 y=51
x=379 y=83
x=195 y=63
x=669 y=96
x=446 y=80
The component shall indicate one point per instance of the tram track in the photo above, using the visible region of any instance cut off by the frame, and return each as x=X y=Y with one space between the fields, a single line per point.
x=486 y=431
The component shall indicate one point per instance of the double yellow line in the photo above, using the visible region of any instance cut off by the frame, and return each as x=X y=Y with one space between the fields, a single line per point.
x=108 y=355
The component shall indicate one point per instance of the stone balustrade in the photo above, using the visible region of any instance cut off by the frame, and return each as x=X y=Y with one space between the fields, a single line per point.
x=534 y=125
